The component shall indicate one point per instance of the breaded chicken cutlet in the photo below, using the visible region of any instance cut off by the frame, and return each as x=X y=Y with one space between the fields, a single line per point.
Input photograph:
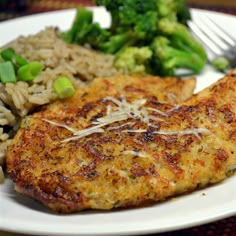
x=117 y=144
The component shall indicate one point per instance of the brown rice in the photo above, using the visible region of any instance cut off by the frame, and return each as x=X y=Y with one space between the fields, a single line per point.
x=79 y=64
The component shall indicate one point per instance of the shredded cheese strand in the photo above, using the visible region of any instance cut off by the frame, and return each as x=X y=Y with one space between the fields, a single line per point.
x=123 y=111
x=60 y=125
x=194 y=131
x=120 y=126
x=83 y=133
x=157 y=111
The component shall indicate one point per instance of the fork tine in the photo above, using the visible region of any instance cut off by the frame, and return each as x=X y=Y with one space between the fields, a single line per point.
x=199 y=33
x=216 y=40
x=220 y=31
x=209 y=37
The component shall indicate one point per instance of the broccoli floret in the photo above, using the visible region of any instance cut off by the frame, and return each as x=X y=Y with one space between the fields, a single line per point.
x=221 y=64
x=126 y=10
x=176 y=10
x=128 y=32
x=113 y=8
x=133 y=22
x=180 y=34
x=109 y=4
x=139 y=15
x=134 y=60
x=144 y=36
x=167 y=9
x=136 y=23
x=116 y=42
x=93 y=35
x=146 y=28
x=84 y=31
x=82 y=20
x=168 y=58
x=133 y=9
x=184 y=15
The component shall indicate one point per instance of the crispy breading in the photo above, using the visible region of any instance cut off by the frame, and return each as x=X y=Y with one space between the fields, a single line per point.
x=116 y=145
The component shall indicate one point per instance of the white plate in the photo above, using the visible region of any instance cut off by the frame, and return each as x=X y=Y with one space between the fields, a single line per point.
x=23 y=215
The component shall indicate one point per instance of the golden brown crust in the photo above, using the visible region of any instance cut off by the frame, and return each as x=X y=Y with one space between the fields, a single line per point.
x=187 y=147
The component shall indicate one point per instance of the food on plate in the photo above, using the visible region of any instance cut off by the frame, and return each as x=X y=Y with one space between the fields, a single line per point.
x=115 y=144
x=77 y=65
x=63 y=67
x=144 y=36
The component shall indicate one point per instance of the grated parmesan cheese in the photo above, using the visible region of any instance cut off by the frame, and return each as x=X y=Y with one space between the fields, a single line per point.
x=124 y=111
x=194 y=131
x=60 y=125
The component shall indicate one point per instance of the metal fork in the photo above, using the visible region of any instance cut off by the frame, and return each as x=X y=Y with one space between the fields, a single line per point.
x=218 y=43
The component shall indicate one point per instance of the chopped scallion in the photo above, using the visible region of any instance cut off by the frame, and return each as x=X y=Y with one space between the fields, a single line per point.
x=7 y=72
x=10 y=55
x=63 y=87
x=19 y=61
x=7 y=54
x=29 y=71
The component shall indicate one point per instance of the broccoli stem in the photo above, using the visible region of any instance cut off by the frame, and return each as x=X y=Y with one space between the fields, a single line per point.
x=180 y=32
x=184 y=60
x=172 y=58
x=116 y=42
x=82 y=19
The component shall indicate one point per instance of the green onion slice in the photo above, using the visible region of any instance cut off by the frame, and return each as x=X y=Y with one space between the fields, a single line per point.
x=29 y=71
x=10 y=55
x=7 y=54
x=7 y=72
x=63 y=87
x=19 y=60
